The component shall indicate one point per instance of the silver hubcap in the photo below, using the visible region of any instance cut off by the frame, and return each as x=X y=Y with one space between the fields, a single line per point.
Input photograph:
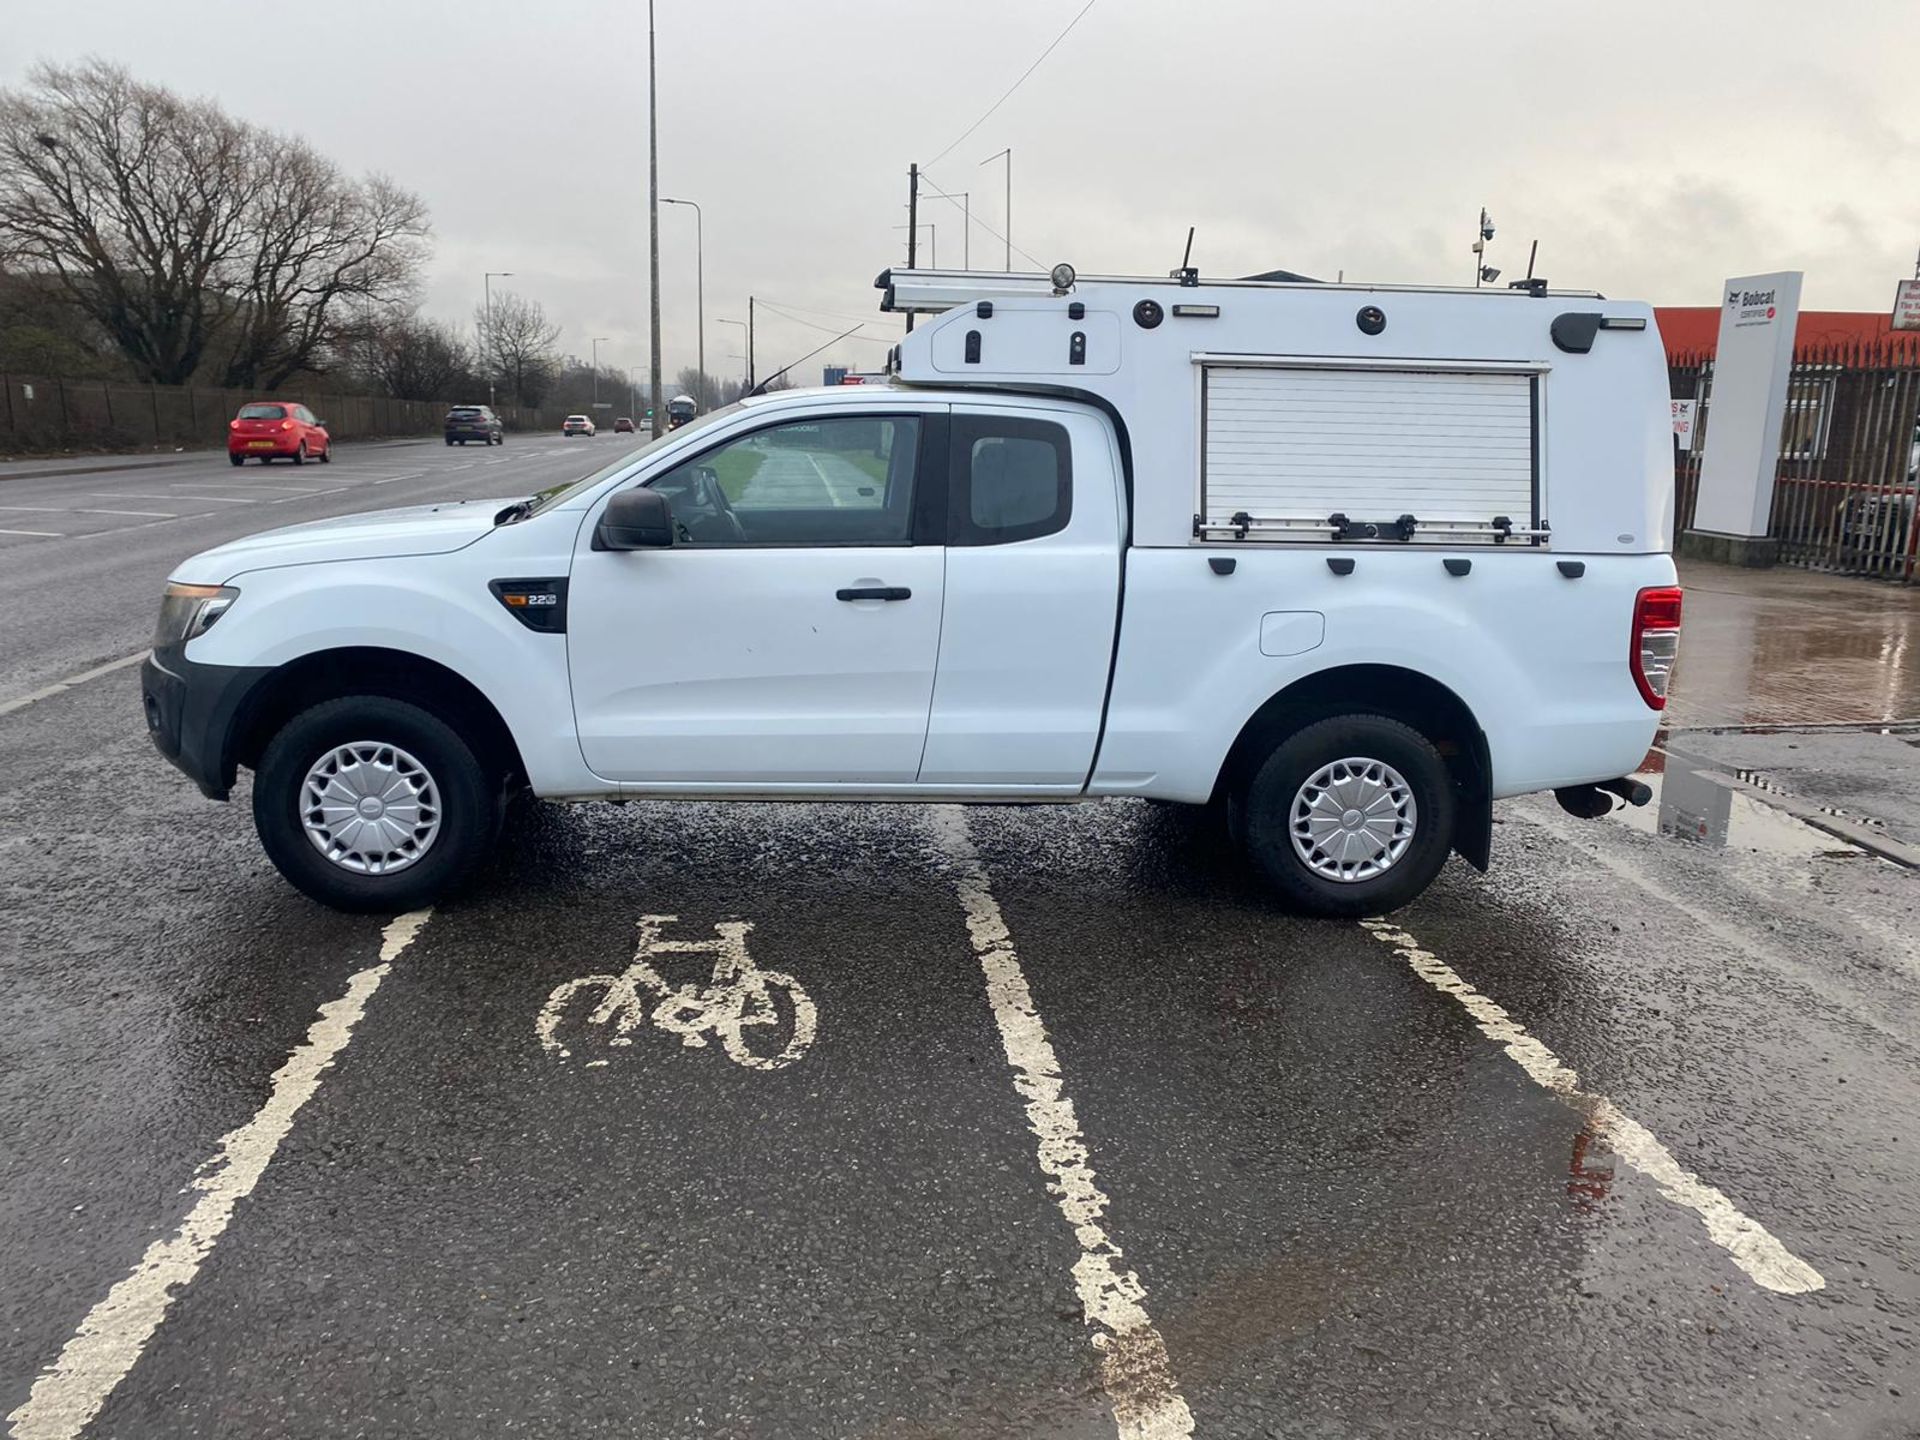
x=1353 y=819
x=370 y=808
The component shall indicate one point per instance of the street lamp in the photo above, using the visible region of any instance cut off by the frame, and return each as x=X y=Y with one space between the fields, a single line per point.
x=486 y=284
x=743 y=337
x=699 y=283
x=597 y=341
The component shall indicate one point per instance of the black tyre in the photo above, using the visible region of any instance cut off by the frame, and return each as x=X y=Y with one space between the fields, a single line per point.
x=449 y=442
x=326 y=455
x=237 y=459
x=371 y=804
x=1350 y=816
x=300 y=454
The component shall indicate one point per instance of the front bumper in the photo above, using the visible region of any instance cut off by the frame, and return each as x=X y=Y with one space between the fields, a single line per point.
x=191 y=710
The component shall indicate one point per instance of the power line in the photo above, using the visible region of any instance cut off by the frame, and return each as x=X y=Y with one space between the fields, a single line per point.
x=942 y=194
x=1017 y=84
x=828 y=329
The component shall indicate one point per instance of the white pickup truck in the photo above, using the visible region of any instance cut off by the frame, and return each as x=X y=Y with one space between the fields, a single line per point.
x=1355 y=562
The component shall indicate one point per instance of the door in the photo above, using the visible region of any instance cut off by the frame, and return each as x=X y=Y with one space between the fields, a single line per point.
x=787 y=639
x=1035 y=522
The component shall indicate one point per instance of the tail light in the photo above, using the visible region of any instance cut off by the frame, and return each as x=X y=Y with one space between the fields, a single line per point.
x=286 y=424
x=233 y=424
x=1656 y=642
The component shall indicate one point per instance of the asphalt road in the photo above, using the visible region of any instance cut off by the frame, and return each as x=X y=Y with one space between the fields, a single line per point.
x=988 y=1122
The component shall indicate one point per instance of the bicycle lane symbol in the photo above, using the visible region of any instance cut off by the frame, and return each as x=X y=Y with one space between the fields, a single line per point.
x=738 y=1005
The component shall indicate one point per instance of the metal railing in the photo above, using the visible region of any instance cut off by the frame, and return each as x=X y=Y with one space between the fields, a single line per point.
x=46 y=414
x=1846 y=493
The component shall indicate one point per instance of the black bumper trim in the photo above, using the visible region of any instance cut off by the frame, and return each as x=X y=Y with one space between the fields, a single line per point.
x=191 y=709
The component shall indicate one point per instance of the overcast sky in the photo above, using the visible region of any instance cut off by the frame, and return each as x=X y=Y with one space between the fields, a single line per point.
x=1652 y=148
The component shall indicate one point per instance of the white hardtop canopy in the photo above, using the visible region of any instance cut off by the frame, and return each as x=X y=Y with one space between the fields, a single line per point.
x=1291 y=410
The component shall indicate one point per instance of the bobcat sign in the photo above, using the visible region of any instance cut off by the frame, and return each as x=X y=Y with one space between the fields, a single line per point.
x=1751 y=366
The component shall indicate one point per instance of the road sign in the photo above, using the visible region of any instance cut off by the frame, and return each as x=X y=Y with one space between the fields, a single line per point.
x=603 y=404
x=1906 y=306
x=1683 y=412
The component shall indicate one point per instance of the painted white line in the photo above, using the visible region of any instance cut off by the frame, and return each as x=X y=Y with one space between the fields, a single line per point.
x=1134 y=1366
x=20 y=702
x=143 y=514
x=34 y=509
x=69 y=1393
x=42 y=534
x=1750 y=1244
x=149 y=495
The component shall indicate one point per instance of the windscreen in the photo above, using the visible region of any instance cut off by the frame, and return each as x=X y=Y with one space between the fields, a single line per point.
x=263 y=412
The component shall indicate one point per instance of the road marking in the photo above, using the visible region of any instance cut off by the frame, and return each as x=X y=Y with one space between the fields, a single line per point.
x=69 y=1393
x=149 y=495
x=35 y=509
x=144 y=514
x=738 y=994
x=60 y=686
x=1749 y=1243
x=1135 y=1368
x=42 y=534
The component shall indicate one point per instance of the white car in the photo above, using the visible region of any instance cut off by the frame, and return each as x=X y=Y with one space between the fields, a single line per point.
x=578 y=425
x=1284 y=546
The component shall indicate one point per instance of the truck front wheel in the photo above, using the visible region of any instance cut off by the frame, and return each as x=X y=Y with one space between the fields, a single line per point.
x=1349 y=816
x=368 y=803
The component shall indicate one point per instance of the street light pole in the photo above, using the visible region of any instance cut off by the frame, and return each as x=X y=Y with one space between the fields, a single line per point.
x=1007 y=155
x=596 y=342
x=653 y=222
x=486 y=284
x=700 y=284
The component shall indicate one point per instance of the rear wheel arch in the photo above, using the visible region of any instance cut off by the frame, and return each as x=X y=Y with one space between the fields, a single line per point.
x=1414 y=699
x=325 y=675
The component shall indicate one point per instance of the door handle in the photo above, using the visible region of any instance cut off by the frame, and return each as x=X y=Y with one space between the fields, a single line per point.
x=874 y=592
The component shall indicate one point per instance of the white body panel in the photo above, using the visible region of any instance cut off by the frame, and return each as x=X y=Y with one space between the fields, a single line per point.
x=739 y=667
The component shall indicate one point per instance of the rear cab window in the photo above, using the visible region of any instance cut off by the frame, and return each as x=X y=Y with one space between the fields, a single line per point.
x=1009 y=478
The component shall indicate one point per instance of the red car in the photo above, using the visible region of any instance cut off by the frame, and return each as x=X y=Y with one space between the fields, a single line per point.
x=270 y=428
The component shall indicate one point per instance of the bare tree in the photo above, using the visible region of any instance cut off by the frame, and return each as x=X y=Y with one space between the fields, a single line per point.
x=414 y=358
x=516 y=344
x=174 y=227
x=133 y=199
x=321 y=245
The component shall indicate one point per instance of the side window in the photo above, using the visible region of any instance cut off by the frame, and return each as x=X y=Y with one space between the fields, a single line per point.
x=842 y=481
x=1009 y=479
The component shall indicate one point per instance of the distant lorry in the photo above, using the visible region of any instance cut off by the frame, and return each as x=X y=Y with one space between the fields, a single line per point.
x=680 y=410
x=1353 y=562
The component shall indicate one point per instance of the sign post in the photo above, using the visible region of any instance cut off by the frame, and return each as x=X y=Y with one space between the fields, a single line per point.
x=1752 y=364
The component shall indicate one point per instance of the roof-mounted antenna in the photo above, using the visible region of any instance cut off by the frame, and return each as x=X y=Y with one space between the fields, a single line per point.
x=761 y=388
x=1530 y=285
x=1186 y=274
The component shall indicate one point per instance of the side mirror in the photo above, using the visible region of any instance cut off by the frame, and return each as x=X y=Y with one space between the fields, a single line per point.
x=634 y=520
x=321 y=423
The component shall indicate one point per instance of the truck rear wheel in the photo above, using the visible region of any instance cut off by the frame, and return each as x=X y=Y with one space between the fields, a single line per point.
x=367 y=803
x=1349 y=816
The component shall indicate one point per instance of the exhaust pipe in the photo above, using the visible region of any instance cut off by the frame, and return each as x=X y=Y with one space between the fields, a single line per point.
x=1591 y=802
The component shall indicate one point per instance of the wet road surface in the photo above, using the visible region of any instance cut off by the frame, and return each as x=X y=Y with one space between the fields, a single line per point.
x=1006 y=1121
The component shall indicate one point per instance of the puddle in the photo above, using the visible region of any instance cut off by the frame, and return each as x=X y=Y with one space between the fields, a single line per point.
x=1690 y=806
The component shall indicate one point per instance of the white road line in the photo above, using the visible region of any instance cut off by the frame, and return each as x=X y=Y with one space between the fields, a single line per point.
x=145 y=514
x=42 y=534
x=35 y=509
x=70 y=1392
x=1134 y=1366
x=149 y=495
x=59 y=686
x=1749 y=1243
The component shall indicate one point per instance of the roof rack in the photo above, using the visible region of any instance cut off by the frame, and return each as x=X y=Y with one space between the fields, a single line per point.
x=931 y=292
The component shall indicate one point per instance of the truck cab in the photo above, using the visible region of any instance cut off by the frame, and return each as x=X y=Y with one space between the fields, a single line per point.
x=1027 y=568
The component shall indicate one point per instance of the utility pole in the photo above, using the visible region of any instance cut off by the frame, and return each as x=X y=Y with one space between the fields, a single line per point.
x=749 y=342
x=913 y=224
x=1007 y=155
x=653 y=223
x=596 y=342
x=700 y=286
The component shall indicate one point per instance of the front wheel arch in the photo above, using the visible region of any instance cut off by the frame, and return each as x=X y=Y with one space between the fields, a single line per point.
x=324 y=675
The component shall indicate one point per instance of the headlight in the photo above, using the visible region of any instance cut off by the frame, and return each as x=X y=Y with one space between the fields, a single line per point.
x=188 y=610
